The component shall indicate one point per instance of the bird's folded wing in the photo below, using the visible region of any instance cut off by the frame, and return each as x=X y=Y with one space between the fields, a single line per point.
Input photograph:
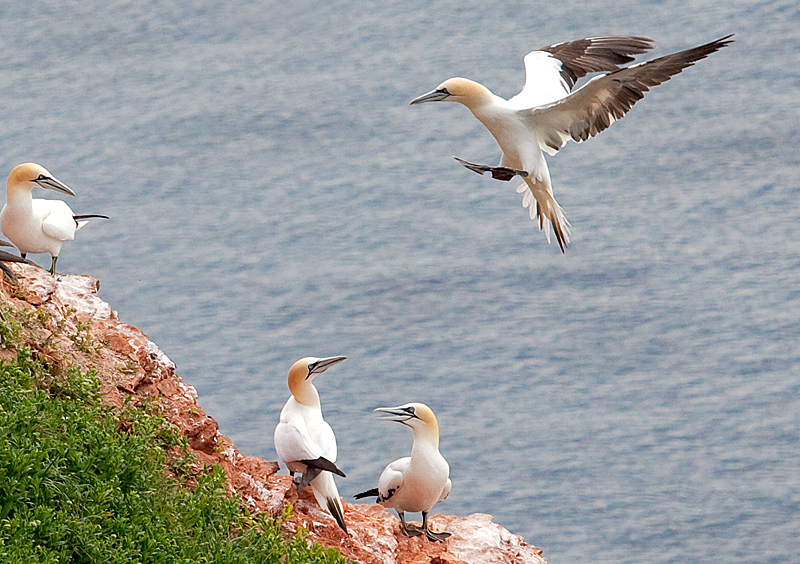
x=392 y=478
x=446 y=490
x=294 y=444
x=58 y=222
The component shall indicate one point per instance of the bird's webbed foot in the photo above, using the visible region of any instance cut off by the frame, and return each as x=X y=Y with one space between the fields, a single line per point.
x=432 y=536
x=436 y=537
x=498 y=172
x=408 y=529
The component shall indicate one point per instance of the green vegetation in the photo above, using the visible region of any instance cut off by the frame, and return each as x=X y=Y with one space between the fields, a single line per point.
x=82 y=482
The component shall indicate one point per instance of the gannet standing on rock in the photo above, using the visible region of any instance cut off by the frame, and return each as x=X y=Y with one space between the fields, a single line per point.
x=547 y=113
x=305 y=443
x=416 y=482
x=34 y=225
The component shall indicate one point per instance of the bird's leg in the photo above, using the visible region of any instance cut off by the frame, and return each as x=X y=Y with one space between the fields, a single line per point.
x=440 y=537
x=52 y=266
x=409 y=530
x=498 y=172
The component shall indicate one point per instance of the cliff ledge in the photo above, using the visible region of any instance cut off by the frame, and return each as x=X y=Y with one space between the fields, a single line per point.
x=81 y=329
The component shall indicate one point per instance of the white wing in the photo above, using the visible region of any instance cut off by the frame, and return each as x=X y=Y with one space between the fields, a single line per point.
x=293 y=443
x=57 y=220
x=322 y=436
x=446 y=490
x=543 y=82
x=551 y=71
x=392 y=478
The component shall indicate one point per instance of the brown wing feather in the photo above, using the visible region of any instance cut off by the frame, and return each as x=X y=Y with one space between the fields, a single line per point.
x=596 y=54
x=603 y=100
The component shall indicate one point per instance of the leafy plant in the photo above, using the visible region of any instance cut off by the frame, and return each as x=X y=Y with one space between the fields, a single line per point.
x=81 y=482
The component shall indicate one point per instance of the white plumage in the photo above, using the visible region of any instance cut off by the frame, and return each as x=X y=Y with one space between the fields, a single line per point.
x=547 y=112
x=305 y=442
x=414 y=483
x=35 y=225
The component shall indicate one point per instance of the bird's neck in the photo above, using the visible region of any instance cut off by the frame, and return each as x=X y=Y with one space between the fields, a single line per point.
x=425 y=440
x=480 y=99
x=305 y=393
x=19 y=199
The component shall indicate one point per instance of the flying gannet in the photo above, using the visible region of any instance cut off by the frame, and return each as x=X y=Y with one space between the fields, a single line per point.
x=305 y=443
x=34 y=225
x=547 y=112
x=414 y=483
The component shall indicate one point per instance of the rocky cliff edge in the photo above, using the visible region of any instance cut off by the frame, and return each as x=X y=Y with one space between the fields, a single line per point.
x=76 y=327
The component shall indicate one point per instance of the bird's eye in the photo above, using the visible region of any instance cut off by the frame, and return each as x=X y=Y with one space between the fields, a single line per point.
x=41 y=177
x=411 y=410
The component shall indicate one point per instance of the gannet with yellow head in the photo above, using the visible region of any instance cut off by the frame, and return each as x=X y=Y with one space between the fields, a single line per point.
x=35 y=225
x=305 y=442
x=417 y=482
x=547 y=112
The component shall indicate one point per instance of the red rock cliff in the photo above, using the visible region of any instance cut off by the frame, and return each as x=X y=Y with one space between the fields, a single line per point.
x=82 y=329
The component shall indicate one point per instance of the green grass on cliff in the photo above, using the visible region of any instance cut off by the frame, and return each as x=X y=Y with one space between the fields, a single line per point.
x=81 y=482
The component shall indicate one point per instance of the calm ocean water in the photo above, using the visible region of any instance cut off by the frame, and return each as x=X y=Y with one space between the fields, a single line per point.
x=273 y=196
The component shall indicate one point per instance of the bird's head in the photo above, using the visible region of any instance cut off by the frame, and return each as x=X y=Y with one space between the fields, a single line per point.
x=28 y=175
x=463 y=90
x=304 y=371
x=418 y=416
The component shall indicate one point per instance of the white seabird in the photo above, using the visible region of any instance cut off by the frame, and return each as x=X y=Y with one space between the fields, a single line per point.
x=414 y=483
x=547 y=113
x=305 y=443
x=34 y=225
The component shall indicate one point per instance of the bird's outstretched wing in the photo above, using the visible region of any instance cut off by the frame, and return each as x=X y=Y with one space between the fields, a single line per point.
x=596 y=54
x=607 y=98
x=551 y=71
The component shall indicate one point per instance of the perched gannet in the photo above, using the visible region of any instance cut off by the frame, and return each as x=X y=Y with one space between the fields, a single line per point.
x=547 y=113
x=305 y=443
x=34 y=225
x=416 y=482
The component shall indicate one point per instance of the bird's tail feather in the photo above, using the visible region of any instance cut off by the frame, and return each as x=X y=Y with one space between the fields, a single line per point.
x=543 y=207
x=327 y=496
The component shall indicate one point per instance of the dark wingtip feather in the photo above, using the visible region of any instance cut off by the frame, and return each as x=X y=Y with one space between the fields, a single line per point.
x=369 y=493
x=324 y=464
x=336 y=512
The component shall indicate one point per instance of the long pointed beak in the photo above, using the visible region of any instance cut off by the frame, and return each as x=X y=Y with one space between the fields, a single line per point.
x=432 y=96
x=52 y=183
x=324 y=363
x=399 y=414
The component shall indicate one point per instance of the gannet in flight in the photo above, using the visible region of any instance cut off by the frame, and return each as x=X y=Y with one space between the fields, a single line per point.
x=416 y=482
x=547 y=112
x=34 y=225
x=305 y=443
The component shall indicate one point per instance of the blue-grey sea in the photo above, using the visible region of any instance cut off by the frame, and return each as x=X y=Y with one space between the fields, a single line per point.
x=272 y=195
